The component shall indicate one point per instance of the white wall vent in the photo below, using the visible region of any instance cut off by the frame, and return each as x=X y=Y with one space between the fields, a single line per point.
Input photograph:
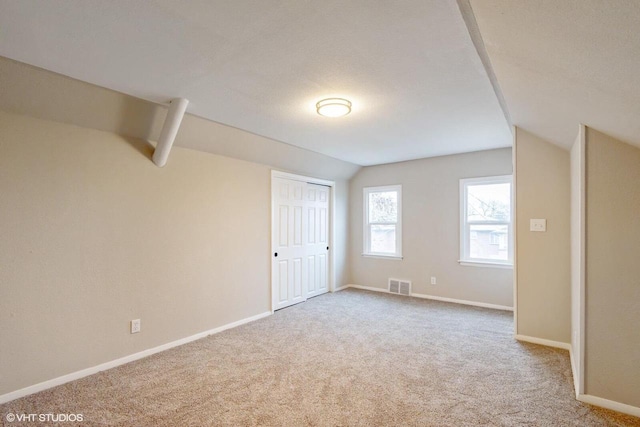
x=400 y=287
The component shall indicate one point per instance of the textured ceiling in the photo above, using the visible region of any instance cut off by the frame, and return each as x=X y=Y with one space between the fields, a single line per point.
x=416 y=82
x=562 y=63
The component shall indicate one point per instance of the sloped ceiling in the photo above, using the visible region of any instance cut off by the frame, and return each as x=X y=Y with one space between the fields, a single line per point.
x=417 y=84
x=565 y=62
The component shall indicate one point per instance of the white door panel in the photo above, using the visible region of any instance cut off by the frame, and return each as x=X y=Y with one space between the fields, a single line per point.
x=288 y=271
x=298 y=290
x=317 y=205
x=311 y=220
x=284 y=226
x=322 y=225
x=297 y=226
x=283 y=281
x=322 y=276
x=300 y=241
x=311 y=278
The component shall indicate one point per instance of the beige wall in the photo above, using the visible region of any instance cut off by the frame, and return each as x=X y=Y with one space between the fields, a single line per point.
x=42 y=94
x=431 y=216
x=612 y=269
x=35 y=92
x=341 y=234
x=543 y=258
x=94 y=235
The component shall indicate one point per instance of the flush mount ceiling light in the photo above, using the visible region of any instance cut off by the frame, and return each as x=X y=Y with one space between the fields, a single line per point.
x=333 y=107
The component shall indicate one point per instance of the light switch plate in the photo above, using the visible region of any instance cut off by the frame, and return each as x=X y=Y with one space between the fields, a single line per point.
x=538 y=225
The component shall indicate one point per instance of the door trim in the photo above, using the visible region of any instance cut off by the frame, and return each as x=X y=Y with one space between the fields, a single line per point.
x=332 y=214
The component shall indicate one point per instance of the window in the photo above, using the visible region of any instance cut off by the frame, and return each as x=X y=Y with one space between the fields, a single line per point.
x=383 y=221
x=485 y=221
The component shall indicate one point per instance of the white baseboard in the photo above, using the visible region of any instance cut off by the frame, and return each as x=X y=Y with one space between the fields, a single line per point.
x=341 y=288
x=599 y=401
x=610 y=404
x=542 y=341
x=121 y=361
x=435 y=298
x=592 y=400
x=464 y=302
x=367 y=288
x=586 y=398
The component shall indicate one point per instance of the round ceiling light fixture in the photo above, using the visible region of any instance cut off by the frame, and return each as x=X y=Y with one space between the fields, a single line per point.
x=333 y=107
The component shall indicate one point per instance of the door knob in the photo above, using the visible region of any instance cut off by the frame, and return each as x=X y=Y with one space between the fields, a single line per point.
x=276 y=254
x=327 y=247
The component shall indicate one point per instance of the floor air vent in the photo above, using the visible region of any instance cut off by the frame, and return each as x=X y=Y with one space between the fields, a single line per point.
x=400 y=287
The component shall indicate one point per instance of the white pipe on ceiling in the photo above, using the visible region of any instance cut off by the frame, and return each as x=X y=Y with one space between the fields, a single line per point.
x=170 y=128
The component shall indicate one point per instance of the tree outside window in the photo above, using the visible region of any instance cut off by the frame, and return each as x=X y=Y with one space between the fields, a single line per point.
x=382 y=221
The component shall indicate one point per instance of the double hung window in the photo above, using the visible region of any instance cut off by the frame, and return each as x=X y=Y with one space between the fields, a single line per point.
x=486 y=234
x=383 y=221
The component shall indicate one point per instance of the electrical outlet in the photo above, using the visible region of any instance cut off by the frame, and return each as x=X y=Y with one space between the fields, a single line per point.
x=538 y=225
x=135 y=326
x=433 y=280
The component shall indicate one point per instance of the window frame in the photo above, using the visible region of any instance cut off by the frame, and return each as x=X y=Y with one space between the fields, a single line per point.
x=465 y=229
x=366 y=238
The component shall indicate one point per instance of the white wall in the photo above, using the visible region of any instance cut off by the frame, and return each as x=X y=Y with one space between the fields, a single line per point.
x=577 y=257
x=612 y=342
x=431 y=217
x=543 y=258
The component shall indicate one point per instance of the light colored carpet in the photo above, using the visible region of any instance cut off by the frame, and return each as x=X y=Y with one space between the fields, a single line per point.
x=350 y=358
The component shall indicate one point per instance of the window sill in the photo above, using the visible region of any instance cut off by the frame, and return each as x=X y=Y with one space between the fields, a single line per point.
x=485 y=264
x=392 y=257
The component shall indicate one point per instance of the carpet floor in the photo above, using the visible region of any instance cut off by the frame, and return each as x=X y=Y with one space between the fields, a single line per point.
x=353 y=358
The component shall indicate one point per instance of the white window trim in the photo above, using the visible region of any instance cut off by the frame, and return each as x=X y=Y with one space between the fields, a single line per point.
x=464 y=249
x=366 y=244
